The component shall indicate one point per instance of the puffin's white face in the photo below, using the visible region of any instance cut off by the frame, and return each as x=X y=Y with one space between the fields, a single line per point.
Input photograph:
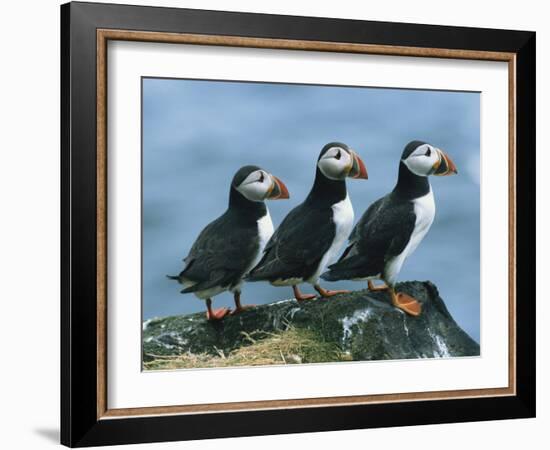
x=260 y=185
x=336 y=163
x=429 y=160
x=422 y=160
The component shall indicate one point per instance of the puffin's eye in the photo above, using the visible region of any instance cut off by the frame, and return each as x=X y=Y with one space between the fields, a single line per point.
x=261 y=180
x=338 y=155
x=428 y=152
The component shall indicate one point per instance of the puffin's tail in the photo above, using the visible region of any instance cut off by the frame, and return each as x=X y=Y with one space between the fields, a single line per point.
x=173 y=277
x=340 y=270
x=265 y=273
x=259 y=273
x=337 y=274
x=252 y=276
x=349 y=268
x=332 y=275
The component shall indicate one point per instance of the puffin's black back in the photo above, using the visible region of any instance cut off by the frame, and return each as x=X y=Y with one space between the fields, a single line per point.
x=381 y=233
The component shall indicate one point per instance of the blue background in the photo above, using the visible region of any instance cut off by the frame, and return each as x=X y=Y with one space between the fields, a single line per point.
x=196 y=134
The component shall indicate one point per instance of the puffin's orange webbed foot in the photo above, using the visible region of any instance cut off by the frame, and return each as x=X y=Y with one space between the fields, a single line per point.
x=328 y=293
x=407 y=303
x=301 y=297
x=217 y=314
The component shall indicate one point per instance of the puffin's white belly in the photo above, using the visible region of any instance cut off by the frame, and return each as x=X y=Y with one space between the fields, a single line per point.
x=424 y=210
x=343 y=216
x=265 y=231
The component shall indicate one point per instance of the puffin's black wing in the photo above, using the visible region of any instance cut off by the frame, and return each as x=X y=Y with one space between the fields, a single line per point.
x=297 y=246
x=222 y=253
x=355 y=235
x=381 y=234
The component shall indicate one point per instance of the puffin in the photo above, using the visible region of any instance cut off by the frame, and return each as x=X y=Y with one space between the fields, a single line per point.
x=393 y=226
x=311 y=236
x=228 y=247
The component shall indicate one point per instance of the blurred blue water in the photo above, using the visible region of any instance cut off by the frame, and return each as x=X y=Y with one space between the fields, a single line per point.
x=196 y=134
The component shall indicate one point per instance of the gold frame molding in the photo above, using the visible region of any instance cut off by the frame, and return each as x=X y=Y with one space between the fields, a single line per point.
x=104 y=35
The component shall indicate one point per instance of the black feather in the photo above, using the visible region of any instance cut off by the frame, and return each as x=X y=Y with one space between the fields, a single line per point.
x=385 y=228
x=227 y=246
x=381 y=234
x=298 y=245
x=306 y=233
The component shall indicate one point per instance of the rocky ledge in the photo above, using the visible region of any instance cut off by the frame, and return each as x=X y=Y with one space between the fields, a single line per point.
x=362 y=325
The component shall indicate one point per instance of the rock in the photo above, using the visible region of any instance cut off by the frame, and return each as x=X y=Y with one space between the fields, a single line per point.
x=363 y=324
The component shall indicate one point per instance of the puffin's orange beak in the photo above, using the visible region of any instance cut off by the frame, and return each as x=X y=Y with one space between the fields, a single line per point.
x=278 y=190
x=445 y=165
x=358 y=168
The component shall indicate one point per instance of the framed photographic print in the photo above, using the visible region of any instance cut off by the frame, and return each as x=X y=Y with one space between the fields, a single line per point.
x=277 y=224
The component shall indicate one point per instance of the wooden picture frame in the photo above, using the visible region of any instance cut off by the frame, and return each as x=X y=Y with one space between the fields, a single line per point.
x=85 y=416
